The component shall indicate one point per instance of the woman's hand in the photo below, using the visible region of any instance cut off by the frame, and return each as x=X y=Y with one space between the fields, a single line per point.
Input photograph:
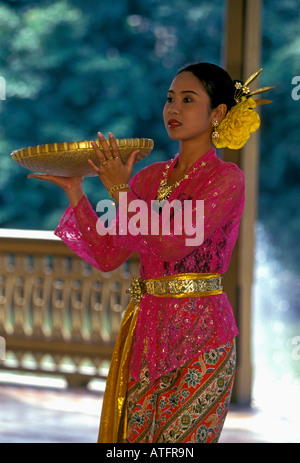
x=71 y=185
x=111 y=169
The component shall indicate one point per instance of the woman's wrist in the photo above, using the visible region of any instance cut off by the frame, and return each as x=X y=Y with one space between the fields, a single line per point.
x=75 y=196
x=115 y=190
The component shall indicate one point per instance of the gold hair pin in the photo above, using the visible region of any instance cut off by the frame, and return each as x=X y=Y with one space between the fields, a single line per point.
x=243 y=90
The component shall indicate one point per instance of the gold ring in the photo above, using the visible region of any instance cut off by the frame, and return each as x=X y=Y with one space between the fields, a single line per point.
x=108 y=159
x=103 y=163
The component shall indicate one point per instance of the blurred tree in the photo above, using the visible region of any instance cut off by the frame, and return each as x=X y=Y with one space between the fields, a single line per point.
x=73 y=68
x=280 y=135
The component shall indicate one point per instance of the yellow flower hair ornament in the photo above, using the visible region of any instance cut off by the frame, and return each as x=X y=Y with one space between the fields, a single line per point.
x=236 y=127
x=241 y=120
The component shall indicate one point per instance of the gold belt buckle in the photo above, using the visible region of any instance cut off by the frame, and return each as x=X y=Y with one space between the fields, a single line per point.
x=136 y=289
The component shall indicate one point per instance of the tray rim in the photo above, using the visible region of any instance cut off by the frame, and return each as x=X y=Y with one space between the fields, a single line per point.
x=83 y=145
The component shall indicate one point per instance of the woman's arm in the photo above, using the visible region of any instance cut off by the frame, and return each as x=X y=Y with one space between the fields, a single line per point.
x=78 y=226
x=78 y=229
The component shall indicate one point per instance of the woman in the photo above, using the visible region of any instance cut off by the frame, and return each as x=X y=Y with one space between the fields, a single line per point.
x=172 y=371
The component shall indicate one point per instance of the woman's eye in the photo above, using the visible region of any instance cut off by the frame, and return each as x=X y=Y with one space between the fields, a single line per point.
x=187 y=99
x=169 y=99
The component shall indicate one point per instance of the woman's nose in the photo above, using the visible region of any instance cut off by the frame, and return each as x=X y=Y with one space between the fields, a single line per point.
x=174 y=109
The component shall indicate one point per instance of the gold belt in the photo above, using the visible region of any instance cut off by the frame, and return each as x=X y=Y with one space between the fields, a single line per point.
x=181 y=285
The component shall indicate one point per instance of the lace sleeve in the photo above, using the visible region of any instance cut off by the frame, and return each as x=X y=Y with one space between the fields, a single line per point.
x=223 y=201
x=77 y=229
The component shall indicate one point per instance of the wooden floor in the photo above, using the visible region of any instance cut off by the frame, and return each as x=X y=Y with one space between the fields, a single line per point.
x=34 y=413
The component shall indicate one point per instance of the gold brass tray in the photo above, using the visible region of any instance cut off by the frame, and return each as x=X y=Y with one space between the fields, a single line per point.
x=70 y=159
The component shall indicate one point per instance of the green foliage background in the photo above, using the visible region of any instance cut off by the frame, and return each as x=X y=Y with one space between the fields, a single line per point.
x=73 y=68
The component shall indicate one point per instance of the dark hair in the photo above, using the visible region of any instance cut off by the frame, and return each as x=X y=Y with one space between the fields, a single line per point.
x=216 y=81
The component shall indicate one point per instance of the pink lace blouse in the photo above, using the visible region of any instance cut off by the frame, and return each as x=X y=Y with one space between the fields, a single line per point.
x=176 y=330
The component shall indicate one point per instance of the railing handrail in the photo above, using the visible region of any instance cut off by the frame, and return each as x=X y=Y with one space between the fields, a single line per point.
x=17 y=233
x=32 y=242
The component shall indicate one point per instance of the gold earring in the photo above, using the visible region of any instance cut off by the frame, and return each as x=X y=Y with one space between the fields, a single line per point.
x=215 y=134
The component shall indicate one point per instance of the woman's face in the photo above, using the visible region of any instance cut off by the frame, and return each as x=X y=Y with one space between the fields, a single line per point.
x=187 y=113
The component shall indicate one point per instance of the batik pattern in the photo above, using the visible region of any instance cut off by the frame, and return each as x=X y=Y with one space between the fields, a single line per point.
x=188 y=405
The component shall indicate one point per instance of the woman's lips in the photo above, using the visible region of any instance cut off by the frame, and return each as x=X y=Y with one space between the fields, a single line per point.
x=173 y=123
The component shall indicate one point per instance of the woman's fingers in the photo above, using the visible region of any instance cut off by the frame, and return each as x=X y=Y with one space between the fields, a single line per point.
x=106 y=154
x=131 y=160
x=94 y=167
x=66 y=183
x=48 y=178
x=111 y=169
x=110 y=151
x=101 y=156
x=115 y=149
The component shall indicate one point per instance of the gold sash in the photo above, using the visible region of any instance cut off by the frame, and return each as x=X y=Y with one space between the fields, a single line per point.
x=113 y=416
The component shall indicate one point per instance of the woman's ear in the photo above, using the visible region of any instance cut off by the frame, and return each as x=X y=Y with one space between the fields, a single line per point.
x=219 y=112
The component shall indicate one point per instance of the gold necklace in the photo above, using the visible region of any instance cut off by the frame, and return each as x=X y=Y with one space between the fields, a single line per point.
x=165 y=190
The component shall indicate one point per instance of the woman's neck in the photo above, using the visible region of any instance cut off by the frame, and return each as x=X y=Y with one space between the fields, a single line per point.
x=189 y=153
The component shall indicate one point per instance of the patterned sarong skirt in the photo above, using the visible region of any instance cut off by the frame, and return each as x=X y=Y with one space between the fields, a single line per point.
x=187 y=405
